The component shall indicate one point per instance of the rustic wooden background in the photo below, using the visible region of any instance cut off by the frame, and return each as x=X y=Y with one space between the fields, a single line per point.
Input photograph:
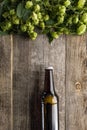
x=22 y=64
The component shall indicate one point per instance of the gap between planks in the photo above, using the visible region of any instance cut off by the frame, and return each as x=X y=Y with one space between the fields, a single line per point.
x=11 y=82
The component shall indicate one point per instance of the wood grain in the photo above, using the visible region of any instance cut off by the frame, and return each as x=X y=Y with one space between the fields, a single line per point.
x=76 y=83
x=22 y=64
x=20 y=83
x=5 y=83
x=54 y=55
x=30 y=59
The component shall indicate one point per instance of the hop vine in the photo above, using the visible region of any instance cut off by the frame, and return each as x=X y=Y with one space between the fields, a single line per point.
x=50 y=17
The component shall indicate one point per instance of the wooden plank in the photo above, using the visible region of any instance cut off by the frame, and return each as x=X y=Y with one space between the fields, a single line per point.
x=25 y=83
x=20 y=82
x=36 y=82
x=30 y=59
x=54 y=55
x=5 y=83
x=76 y=82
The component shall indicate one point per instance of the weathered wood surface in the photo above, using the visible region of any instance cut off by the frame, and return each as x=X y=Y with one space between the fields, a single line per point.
x=22 y=64
x=30 y=59
x=76 y=83
x=5 y=83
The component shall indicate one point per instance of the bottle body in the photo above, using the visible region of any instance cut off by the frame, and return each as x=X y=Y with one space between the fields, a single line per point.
x=50 y=104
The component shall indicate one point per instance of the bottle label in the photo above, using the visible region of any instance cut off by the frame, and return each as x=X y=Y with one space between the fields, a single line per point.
x=51 y=117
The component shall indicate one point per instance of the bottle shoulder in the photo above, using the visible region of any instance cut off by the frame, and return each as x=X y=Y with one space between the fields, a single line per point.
x=49 y=98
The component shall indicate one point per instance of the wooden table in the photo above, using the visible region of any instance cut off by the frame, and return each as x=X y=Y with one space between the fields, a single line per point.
x=22 y=64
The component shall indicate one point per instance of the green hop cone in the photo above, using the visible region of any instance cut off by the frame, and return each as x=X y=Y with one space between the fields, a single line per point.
x=34 y=16
x=33 y=35
x=3 y=28
x=9 y=25
x=28 y=23
x=16 y=21
x=81 y=29
x=12 y=12
x=46 y=17
x=66 y=31
x=62 y=10
x=67 y=3
x=6 y=26
x=54 y=35
x=84 y=18
x=60 y=19
x=81 y=3
x=37 y=8
x=39 y=16
x=23 y=28
x=75 y=19
x=30 y=28
x=5 y=14
x=36 y=22
x=28 y=4
x=70 y=20
x=42 y=25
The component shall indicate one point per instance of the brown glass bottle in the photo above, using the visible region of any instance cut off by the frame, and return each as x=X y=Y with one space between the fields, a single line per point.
x=50 y=103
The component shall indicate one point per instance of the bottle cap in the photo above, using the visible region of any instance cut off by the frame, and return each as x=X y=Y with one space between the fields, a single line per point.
x=49 y=68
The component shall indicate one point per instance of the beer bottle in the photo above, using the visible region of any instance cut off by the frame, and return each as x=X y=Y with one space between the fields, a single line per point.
x=50 y=103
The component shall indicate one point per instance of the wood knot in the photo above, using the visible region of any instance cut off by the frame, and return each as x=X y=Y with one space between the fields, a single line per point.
x=78 y=86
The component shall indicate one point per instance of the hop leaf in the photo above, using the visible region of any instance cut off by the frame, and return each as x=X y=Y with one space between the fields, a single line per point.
x=20 y=10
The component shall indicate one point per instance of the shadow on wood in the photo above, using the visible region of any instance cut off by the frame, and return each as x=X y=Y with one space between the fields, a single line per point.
x=35 y=102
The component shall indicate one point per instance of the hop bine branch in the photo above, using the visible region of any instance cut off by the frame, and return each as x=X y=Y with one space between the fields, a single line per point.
x=50 y=17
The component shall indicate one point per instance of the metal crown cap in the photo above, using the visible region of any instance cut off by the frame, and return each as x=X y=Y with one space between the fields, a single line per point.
x=50 y=68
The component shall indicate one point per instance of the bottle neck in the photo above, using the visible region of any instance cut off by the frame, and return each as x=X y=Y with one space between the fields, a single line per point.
x=49 y=81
